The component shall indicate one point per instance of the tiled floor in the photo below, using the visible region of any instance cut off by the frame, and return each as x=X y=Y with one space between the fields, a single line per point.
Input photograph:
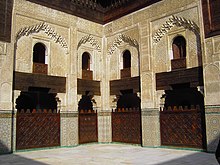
x=109 y=154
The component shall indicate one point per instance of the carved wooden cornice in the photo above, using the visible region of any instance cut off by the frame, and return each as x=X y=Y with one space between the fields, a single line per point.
x=99 y=11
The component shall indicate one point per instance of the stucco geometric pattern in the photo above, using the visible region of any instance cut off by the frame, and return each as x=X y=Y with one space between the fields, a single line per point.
x=5 y=87
x=216 y=45
x=161 y=57
x=212 y=84
x=2 y=53
x=193 y=51
x=147 y=86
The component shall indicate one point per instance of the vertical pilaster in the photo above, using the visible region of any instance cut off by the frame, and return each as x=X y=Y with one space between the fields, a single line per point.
x=150 y=127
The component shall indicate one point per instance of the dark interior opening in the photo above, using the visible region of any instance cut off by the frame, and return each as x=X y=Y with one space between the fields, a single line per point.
x=179 y=47
x=39 y=53
x=126 y=59
x=36 y=98
x=128 y=99
x=85 y=103
x=86 y=61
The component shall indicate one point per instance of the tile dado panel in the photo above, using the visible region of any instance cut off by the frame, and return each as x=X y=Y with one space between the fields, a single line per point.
x=5 y=133
x=212 y=114
x=69 y=128
x=104 y=127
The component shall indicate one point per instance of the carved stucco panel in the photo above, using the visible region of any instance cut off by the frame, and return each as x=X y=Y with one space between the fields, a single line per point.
x=212 y=84
x=146 y=90
x=3 y=53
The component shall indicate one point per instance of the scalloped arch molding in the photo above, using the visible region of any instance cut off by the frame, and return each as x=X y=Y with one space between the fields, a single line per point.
x=50 y=32
x=175 y=21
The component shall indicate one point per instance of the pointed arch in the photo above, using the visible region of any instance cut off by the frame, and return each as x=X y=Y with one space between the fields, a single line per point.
x=43 y=26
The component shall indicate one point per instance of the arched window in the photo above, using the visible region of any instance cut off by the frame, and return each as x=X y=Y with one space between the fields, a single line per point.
x=126 y=71
x=86 y=72
x=39 y=53
x=179 y=53
x=86 y=61
x=179 y=47
x=126 y=59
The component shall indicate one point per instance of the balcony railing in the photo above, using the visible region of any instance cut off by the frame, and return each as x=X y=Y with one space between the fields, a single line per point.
x=126 y=72
x=87 y=74
x=178 y=63
x=40 y=68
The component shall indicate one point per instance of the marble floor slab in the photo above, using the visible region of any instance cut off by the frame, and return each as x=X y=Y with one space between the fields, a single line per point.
x=109 y=154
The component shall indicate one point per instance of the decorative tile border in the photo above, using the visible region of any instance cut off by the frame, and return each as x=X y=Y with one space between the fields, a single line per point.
x=212 y=109
x=103 y=113
x=5 y=114
x=150 y=112
x=68 y=114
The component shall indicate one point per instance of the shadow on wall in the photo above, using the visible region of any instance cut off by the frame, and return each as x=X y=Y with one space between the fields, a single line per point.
x=4 y=149
x=196 y=158
x=13 y=158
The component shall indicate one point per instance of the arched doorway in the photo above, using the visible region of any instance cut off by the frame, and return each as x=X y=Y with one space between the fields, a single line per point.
x=182 y=119
x=88 y=129
x=38 y=121
x=126 y=119
x=85 y=104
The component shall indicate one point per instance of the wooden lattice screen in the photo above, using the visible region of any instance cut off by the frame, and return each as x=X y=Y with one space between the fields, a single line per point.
x=88 y=131
x=37 y=129
x=126 y=126
x=181 y=127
